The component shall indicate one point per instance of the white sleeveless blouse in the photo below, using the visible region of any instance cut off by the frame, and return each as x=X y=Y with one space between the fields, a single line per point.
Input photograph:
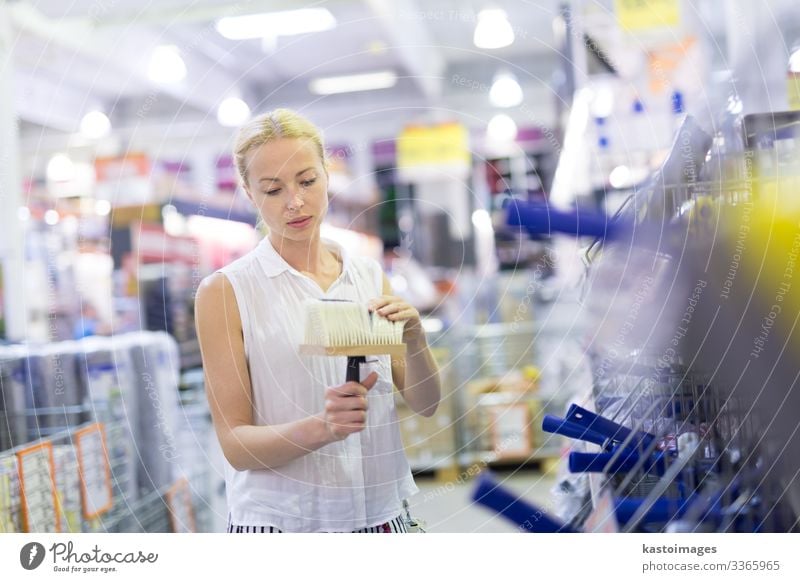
x=353 y=483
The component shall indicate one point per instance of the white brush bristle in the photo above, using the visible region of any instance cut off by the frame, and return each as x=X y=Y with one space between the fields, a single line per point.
x=346 y=323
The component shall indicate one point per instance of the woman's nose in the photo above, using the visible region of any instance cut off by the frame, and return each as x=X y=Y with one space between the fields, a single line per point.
x=295 y=201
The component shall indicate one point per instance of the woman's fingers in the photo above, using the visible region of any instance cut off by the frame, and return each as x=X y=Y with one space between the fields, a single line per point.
x=391 y=308
x=370 y=380
x=346 y=406
x=407 y=313
x=343 y=404
x=351 y=419
x=381 y=301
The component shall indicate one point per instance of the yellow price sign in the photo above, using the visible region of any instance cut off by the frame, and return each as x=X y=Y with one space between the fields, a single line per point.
x=444 y=144
x=638 y=15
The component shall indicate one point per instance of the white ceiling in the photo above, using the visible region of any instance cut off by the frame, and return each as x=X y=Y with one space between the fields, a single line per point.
x=73 y=56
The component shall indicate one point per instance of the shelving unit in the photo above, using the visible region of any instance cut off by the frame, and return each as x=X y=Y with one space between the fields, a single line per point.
x=682 y=430
x=118 y=450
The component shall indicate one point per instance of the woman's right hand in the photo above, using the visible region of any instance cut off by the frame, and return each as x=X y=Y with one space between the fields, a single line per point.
x=346 y=407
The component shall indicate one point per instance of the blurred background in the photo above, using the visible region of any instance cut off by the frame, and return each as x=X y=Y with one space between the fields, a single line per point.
x=547 y=182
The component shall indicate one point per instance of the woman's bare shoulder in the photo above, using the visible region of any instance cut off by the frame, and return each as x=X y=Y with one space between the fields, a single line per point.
x=214 y=287
x=215 y=298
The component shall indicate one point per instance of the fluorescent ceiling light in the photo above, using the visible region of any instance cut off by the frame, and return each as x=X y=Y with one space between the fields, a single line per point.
x=166 y=65
x=493 y=30
x=95 y=125
x=285 y=23
x=233 y=112
x=351 y=83
x=505 y=91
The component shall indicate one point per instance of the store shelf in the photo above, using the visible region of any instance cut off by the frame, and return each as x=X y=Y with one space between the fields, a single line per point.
x=188 y=208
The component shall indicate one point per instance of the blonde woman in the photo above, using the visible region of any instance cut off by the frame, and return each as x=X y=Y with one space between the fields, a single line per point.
x=305 y=451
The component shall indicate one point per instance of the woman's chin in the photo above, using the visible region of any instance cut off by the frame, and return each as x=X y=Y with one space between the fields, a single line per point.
x=295 y=234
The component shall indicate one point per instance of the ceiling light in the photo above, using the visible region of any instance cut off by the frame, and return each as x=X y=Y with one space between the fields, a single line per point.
x=166 y=65
x=285 y=23
x=501 y=128
x=60 y=168
x=352 y=83
x=505 y=91
x=493 y=30
x=51 y=217
x=102 y=207
x=794 y=62
x=233 y=112
x=95 y=125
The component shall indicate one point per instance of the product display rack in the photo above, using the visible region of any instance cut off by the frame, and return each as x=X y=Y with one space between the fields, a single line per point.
x=112 y=458
x=147 y=513
x=665 y=441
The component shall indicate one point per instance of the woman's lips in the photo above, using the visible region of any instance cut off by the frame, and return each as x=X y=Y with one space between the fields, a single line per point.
x=299 y=222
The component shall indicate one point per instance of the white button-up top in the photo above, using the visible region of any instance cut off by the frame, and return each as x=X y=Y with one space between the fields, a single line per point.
x=357 y=482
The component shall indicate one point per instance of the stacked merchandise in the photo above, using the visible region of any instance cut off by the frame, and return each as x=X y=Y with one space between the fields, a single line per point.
x=487 y=355
x=13 y=423
x=194 y=441
x=108 y=373
x=54 y=388
x=42 y=391
x=503 y=413
x=430 y=443
x=155 y=365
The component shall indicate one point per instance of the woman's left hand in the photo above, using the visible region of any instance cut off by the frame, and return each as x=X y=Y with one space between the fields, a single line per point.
x=396 y=309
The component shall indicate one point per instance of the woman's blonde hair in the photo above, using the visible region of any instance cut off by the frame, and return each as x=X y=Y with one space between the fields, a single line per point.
x=276 y=124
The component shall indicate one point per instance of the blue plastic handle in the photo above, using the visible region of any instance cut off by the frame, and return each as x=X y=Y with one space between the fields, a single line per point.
x=597 y=462
x=607 y=428
x=527 y=517
x=538 y=218
x=554 y=424
x=613 y=462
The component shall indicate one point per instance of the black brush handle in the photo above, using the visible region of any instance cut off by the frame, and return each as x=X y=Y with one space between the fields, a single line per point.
x=354 y=368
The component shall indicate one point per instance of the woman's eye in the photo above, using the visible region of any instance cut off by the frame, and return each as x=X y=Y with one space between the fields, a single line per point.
x=273 y=192
x=308 y=183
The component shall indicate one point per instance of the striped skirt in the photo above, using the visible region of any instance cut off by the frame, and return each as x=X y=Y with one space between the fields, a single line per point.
x=396 y=525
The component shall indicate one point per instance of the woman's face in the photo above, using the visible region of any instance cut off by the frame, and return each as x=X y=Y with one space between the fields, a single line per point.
x=287 y=182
